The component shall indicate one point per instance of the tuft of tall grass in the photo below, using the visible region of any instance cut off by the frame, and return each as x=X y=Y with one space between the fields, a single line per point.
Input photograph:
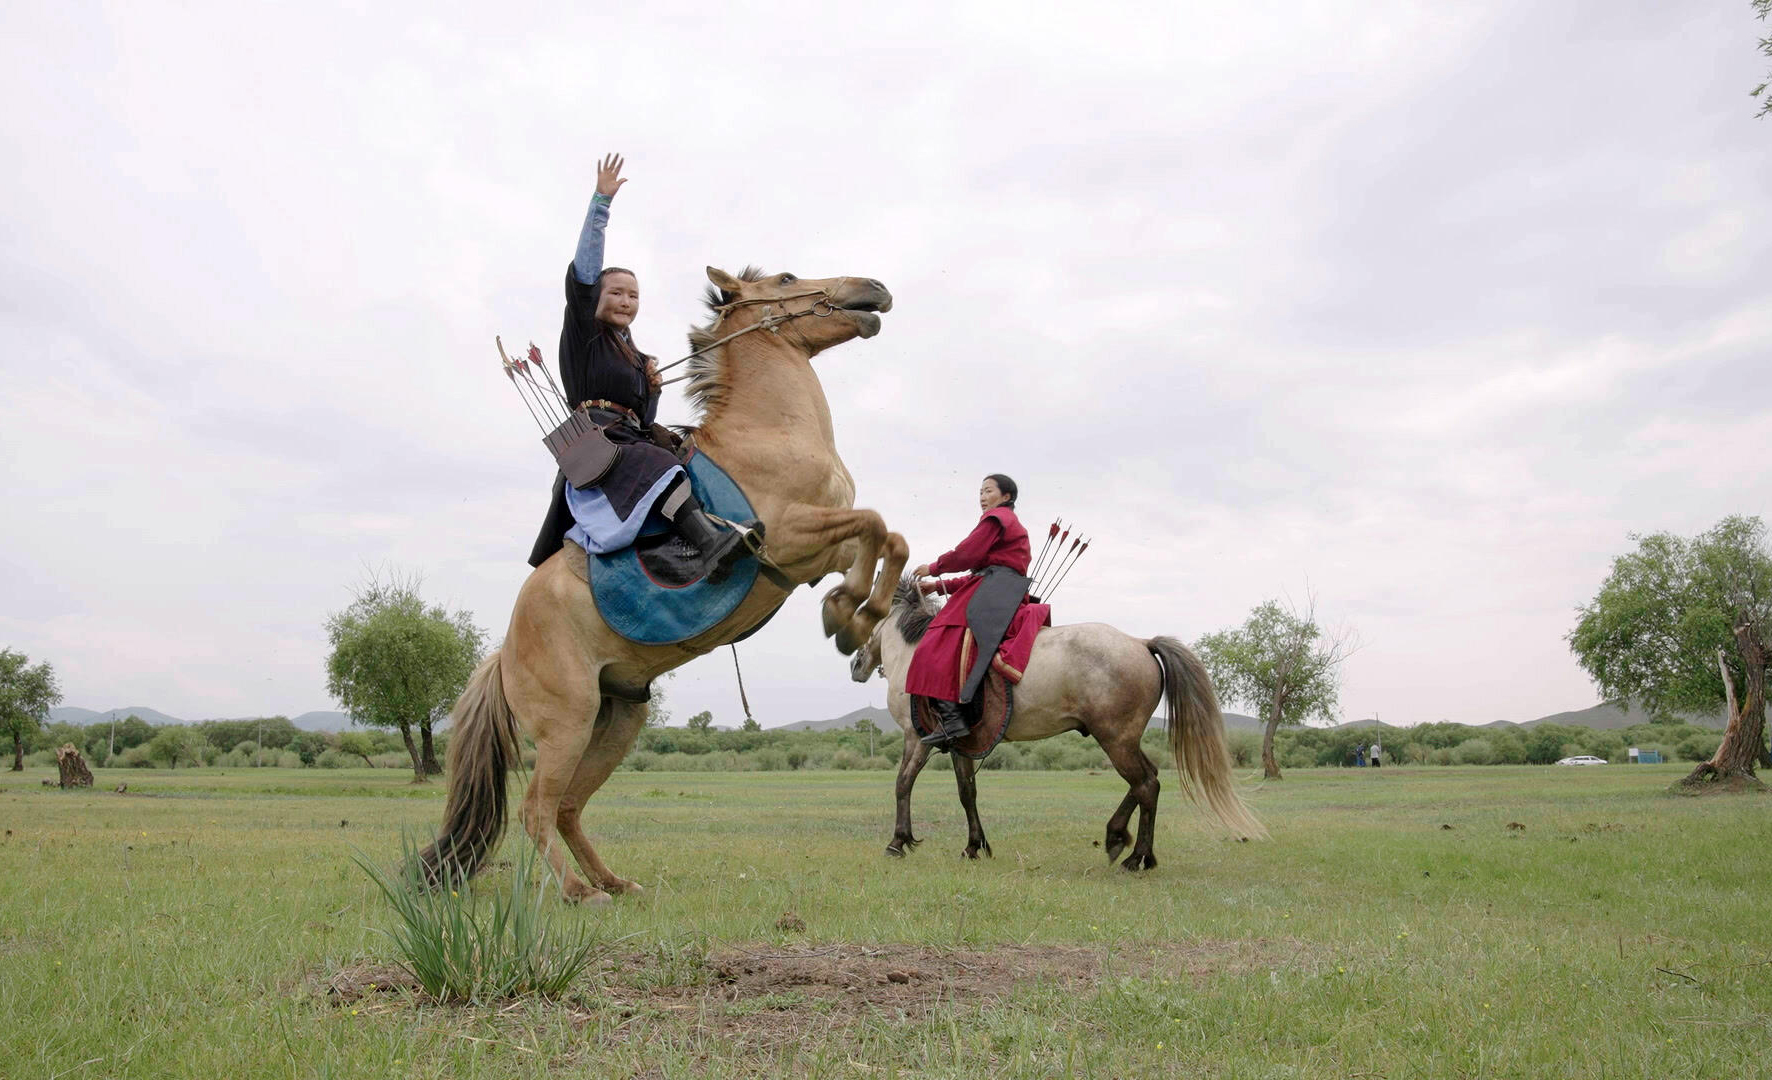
x=483 y=945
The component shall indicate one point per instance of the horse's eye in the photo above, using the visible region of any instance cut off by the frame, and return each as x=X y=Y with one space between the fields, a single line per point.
x=788 y=279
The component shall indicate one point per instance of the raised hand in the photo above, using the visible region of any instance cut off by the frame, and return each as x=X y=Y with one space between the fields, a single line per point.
x=609 y=177
x=652 y=374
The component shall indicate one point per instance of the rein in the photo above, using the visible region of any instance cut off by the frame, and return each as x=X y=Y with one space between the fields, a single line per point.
x=767 y=322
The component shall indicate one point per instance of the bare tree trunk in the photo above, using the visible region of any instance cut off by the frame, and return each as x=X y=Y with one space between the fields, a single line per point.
x=1744 y=741
x=1270 y=768
x=418 y=765
x=18 y=752
x=72 y=767
x=429 y=754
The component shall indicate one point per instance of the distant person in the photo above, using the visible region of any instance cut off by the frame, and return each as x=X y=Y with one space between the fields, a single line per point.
x=995 y=559
x=1360 y=755
x=1375 y=752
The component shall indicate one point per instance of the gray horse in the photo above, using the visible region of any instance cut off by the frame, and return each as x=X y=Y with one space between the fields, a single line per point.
x=1086 y=677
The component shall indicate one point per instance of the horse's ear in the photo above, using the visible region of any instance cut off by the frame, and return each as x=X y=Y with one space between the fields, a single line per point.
x=723 y=280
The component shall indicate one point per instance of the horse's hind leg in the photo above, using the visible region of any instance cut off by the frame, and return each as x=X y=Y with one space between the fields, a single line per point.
x=1118 y=838
x=557 y=757
x=1141 y=777
x=966 y=776
x=617 y=725
x=916 y=754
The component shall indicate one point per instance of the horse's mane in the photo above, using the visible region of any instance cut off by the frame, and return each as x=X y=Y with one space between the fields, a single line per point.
x=706 y=386
x=914 y=610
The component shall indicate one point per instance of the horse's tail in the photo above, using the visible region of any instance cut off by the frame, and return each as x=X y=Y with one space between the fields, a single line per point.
x=1196 y=736
x=482 y=749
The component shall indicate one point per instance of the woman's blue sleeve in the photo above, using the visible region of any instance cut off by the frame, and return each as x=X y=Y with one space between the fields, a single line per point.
x=587 y=261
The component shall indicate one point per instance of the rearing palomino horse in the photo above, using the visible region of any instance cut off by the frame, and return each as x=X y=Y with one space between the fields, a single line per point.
x=577 y=688
x=1085 y=677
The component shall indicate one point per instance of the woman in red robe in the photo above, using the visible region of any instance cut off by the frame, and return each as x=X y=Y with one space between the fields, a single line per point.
x=951 y=661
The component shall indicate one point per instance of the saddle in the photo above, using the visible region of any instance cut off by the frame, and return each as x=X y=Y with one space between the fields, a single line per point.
x=995 y=702
x=649 y=593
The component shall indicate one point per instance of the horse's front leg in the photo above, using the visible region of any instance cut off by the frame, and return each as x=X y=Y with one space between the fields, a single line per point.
x=966 y=776
x=879 y=601
x=857 y=603
x=916 y=754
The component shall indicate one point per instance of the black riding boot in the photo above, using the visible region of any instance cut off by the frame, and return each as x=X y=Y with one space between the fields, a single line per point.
x=719 y=547
x=952 y=716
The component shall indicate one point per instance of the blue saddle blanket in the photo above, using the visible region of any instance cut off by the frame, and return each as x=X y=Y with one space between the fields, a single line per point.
x=646 y=592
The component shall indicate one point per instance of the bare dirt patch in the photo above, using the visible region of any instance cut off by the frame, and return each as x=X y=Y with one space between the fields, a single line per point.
x=766 y=996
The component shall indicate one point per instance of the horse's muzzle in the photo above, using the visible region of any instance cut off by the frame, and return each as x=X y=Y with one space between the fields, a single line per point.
x=865 y=294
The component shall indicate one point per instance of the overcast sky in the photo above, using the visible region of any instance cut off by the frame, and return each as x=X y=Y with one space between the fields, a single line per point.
x=1418 y=307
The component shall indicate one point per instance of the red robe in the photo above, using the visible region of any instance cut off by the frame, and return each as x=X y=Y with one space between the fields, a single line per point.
x=946 y=653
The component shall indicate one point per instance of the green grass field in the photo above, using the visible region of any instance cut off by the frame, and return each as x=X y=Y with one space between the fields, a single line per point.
x=213 y=925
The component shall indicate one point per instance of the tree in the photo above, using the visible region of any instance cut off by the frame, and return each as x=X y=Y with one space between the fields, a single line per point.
x=658 y=714
x=750 y=724
x=270 y=732
x=865 y=726
x=308 y=745
x=400 y=663
x=1763 y=8
x=701 y=721
x=27 y=693
x=357 y=744
x=1281 y=664
x=1679 y=624
x=175 y=744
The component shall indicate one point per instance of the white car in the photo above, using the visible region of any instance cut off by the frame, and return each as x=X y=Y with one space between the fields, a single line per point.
x=1583 y=759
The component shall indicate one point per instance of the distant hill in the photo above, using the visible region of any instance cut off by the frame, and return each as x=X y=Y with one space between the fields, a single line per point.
x=1232 y=721
x=1611 y=715
x=68 y=714
x=1606 y=716
x=881 y=718
x=322 y=721
x=310 y=721
x=1239 y=722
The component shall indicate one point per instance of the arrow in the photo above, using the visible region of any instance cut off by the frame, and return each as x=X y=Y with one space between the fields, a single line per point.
x=1050 y=533
x=1058 y=559
x=1056 y=551
x=1067 y=570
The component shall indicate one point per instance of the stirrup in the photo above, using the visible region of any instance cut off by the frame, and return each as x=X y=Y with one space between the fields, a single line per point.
x=951 y=718
x=718 y=548
x=938 y=740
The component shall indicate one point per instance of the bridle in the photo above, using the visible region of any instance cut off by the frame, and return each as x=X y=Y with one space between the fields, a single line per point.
x=770 y=321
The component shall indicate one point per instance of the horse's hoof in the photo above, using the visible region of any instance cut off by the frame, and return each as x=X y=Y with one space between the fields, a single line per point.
x=1114 y=848
x=971 y=853
x=895 y=852
x=577 y=892
x=847 y=640
x=838 y=609
x=623 y=887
